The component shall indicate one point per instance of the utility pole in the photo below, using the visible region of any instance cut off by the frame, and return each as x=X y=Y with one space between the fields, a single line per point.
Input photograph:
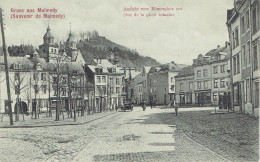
x=6 y=70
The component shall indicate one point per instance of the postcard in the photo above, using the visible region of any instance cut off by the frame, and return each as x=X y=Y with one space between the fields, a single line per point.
x=129 y=80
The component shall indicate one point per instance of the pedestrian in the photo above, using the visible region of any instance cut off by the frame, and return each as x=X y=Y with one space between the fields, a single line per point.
x=144 y=105
x=116 y=107
x=151 y=103
x=176 y=108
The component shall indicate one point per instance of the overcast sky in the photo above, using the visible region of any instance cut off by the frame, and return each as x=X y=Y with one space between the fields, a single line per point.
x=199 y=27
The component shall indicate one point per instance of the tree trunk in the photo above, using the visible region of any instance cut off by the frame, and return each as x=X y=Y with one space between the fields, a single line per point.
x=74 y=108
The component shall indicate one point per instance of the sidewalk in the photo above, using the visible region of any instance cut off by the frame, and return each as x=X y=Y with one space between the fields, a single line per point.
x=44 y=121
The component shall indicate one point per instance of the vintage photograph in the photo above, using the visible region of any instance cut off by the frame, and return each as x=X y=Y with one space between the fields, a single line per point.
x=129 y=80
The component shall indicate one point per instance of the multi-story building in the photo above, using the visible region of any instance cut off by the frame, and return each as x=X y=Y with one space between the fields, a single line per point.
x=41 y=80
x=220 y=76
x=140 y=87
x=202 y=80
x=184 y=90
x=245 y=15
x=161 y=82
x=108 y=80
x=233 y=23
x=211 y=76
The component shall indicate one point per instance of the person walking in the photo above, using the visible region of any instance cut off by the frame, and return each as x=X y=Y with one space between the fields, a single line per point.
x=144 y=105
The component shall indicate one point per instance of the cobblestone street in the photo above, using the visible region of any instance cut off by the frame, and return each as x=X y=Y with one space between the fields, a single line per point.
x=122 y=136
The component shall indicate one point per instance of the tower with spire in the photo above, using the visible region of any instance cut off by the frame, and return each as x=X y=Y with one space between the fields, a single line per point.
x=48 y=49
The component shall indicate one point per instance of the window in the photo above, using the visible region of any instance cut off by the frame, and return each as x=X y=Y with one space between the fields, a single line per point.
x=222 y=68
x=215 y=83
x=215 y=70
x=36 y=88
x=39 y=67
x=117 y=81
x=54 y=92
x=248 y=90
x=234 y=65
x=35 y=76
x=17 y=89
x=43 y=76
x=243 y=24
x=199 y=85
x=244 y=55
x=247 y=19
x=205 y=72
x=111 y=90
x=181 y=86
x=235 y=38
x=17 y=76
x=54 y=80
x=111 y=80
x=238 y=64
x=104 y=90
x=113 y=70
x=189 y=98
x=117 y=90
x=63 y=91
x=98 y=79
x=254 y=20
x=190 y=85
x=172 y=79
x=215 y=96
x=44 y=89
x=248 y=52
x=103 y=79
x=172 y=87
x=222 y=83
x=255 y=66
x=205 y=84
x=199 y=73
x=16 y=66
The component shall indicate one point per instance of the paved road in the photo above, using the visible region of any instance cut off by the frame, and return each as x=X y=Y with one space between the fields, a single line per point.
x=123 y=136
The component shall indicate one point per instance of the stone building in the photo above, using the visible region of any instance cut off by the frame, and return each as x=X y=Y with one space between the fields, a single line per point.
x=243 y=26
x=161 y=82
x=184 y=90
x=211 y=76
x=140 y=87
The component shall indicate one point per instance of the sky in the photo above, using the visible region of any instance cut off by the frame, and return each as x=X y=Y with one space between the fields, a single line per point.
x=199 y=27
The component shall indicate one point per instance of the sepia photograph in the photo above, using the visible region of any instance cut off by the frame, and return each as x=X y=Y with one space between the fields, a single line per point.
x=129 y=80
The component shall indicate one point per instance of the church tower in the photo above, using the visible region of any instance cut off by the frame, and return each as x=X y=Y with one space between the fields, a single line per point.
x=48 y=49
x=72 y=51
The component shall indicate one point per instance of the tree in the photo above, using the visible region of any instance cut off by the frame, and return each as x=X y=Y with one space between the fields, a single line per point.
x=19 y=83
x=57 y=72
x=39 y=82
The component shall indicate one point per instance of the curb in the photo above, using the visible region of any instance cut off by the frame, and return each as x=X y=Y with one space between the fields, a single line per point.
x=56 y=125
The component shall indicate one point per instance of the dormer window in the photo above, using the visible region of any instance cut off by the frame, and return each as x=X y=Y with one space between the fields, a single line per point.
x=39 y=67
x=17 y=66
x=99 y=69
x=113 y=70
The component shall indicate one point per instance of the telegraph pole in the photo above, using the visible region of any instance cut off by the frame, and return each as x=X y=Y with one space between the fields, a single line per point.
x=6 y=70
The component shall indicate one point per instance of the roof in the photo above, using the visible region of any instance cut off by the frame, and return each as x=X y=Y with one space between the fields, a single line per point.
x=169 y=67
x=147 y=68
x=186 y=71
x=71 y=38
x=48 y=34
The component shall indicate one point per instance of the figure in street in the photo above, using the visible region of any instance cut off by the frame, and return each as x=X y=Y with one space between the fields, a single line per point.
x=144 y=105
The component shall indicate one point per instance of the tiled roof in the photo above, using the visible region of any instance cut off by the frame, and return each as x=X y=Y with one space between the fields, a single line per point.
x=186 y=71
x=170 y=67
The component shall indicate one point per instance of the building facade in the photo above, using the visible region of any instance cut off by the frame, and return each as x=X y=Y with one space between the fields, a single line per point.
x=161 y=82
x=245 y=17
x=184 y=90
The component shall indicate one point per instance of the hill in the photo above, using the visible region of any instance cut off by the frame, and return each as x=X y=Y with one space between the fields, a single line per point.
x=103 y=48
